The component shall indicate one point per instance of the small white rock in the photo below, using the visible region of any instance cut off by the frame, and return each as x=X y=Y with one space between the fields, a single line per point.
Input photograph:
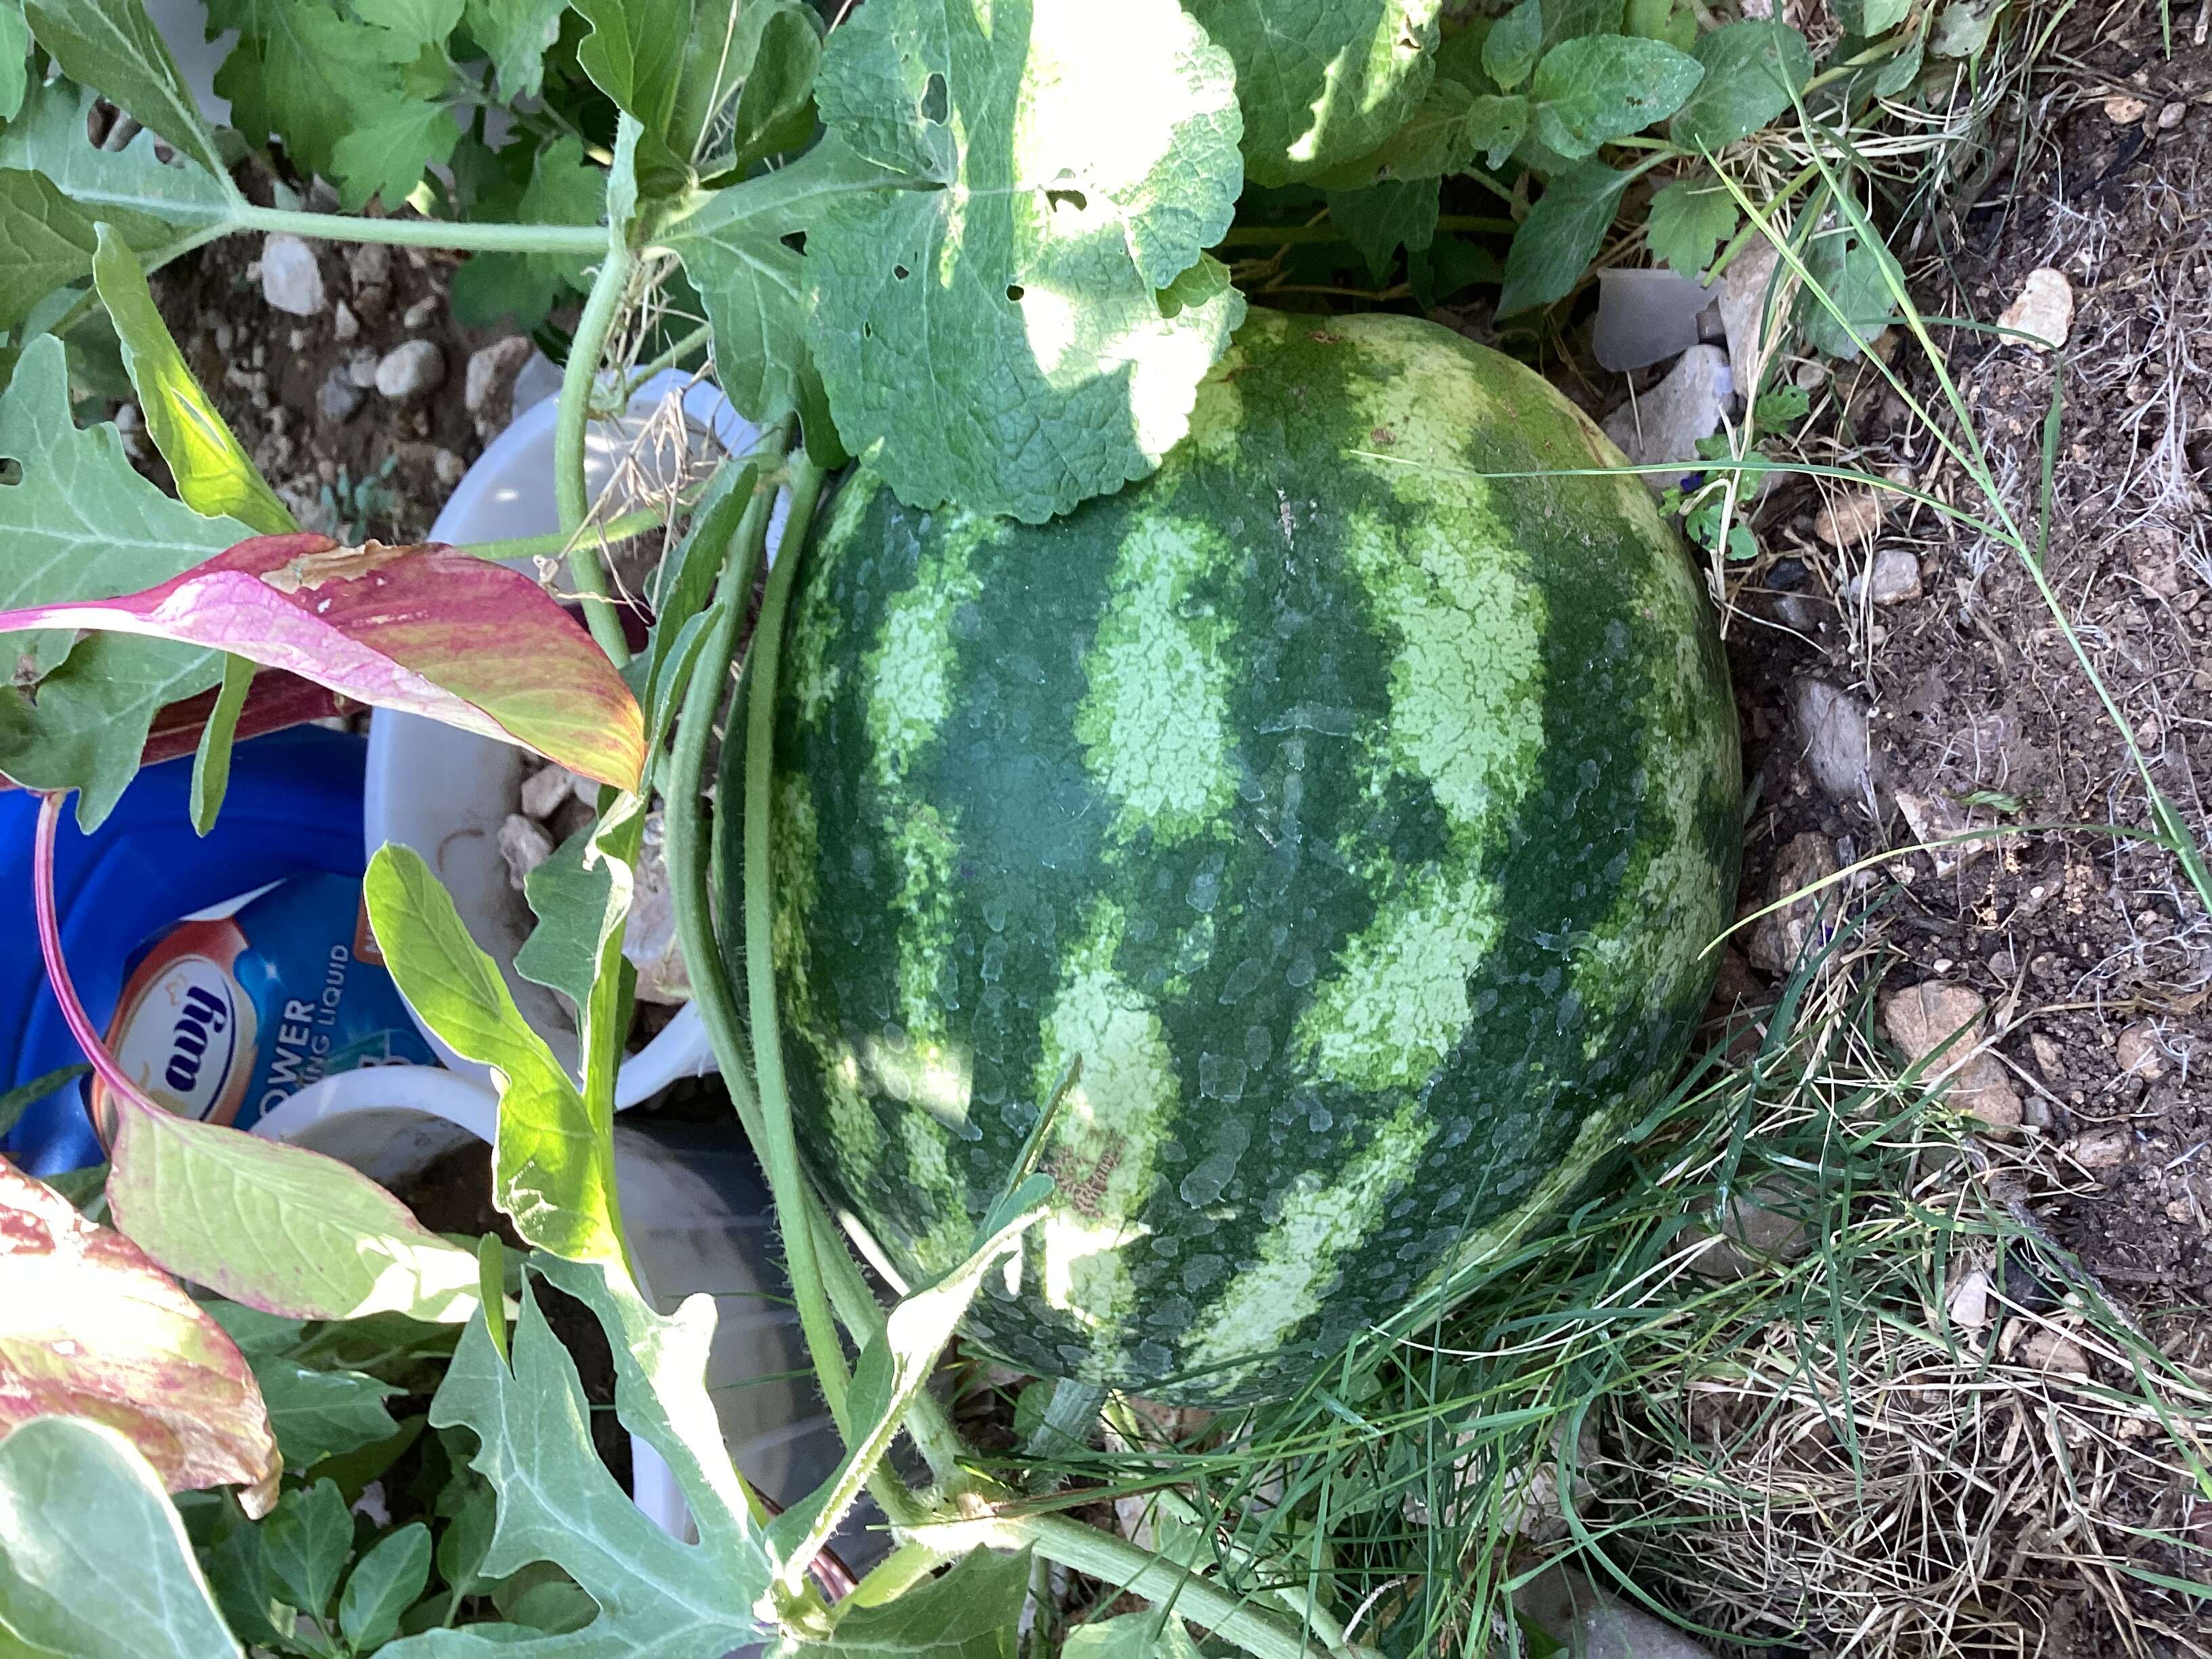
x=2123 y=110
x=2045 y=309
x=1894 y=578
x=369 y=265
x=524 y=846
x=1969 y=1302
x=345 y=325
x=2045 y=1350
x=1937 y=818
x=1744 y=303
x=1838 y=739
x=361 y=369
x=1665 y=423
x=290 y=279
x=419 y=314
x=487 y=388
x=1779 y=940
x=2099 y=1149
x=544 y=790
x=450 y=468
x=409 y=370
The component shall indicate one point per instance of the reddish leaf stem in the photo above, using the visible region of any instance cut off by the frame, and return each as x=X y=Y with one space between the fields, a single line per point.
x=122 y=1089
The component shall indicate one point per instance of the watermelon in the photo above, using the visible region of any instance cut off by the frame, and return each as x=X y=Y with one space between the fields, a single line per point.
x=1355 y=806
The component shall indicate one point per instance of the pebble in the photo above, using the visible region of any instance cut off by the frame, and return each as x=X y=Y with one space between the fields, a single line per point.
x=290 y=279
x=1894 y=578
x=409 y=370
x=1932 y=1016
x=2123 y=110
x=1754 y=1236
x=1744 y=299
x=361 y=369
x=2044 y=309
x=419 y=314
x=1850 y=519
x=2172 y=115
x=2046 y=1350
x=369 y=265
x=339 y=397
x=2099 y=1149
x=1837 y=739
x=1593 y=1624
x=2048 y=1059
x=1969 y=1301
x=524 y=846
x=544 y=790
x=650 y=942
x=1665 y=423
x=488 y=387
x=345 y=325
x=2138 y=1052
x=1778 y=941
x=450 y=468
x=1935 y=819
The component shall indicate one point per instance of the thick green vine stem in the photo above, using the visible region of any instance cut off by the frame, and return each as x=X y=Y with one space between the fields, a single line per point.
x=487 y=238
x=570 y=492
x=779 y=1147
x=1137 y=1570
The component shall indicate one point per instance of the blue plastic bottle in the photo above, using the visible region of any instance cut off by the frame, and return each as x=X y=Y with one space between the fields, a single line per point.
x=294 y=808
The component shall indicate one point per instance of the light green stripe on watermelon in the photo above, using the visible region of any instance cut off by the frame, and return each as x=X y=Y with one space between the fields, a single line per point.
x=1397 y=1003
x=1153 y=725
x=1104 y=1146
x=1302 y=1257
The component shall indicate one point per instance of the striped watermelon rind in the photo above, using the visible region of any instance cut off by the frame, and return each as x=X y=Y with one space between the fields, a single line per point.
x=1356 y=811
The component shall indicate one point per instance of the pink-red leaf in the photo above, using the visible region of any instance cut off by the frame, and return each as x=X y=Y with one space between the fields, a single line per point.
x=427 y=629
x=90 y=1327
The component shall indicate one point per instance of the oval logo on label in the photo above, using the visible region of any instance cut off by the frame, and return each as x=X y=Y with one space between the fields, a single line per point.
x=181 y=1041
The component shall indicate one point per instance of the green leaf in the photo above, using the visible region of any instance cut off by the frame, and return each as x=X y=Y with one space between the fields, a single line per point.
x=300 y=71
x=93 y=1560
x=775 y=107
x=211 y=756
x=516 y=35
x=238 y=1576
x=113 y=46
x=1383 y=218
x=1573 y=20
x=1320 y=81
x=973 y=1612
x=544 y=1598
x=1591 y=91
x=1434 y=142
x=276 y=1227
x=557 y=1503
x=80 y=521
x=1752 y=70
x=213 y=473
x=1690 y=219
x=1561 y=235
x=411 y=25
x=45 y=242
x=1868 y=18
x=893 y=1366
x=570 y=900
x=1509 y=51
x=1068 y=171
x=1849 y=269
x=322 y=1413
x=388 y=152
x=754 y=286
x=50 y=137
x=14 y=1102
x=554 y=1171
x=634 y=54
x=384 y=1585
x=1963 y=27
x=563 y=188
x=306 y=1543
x=1496 y=127
x=14 y=52
x=1147 y=1635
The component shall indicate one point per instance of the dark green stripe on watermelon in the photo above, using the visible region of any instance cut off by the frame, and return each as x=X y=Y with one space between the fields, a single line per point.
x=1357 y=819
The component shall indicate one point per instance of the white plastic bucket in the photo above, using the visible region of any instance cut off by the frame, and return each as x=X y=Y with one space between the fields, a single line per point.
x=696 y=1213
x=445 y=792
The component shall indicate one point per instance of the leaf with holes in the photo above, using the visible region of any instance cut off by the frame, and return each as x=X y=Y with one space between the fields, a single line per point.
x=90 y=1327
x=49 y=137
x=113 y=46
x=427 y=629
x=1000 y=330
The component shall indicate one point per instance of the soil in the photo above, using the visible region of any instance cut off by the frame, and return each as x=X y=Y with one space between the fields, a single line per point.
x=2091 y=949
x=453 y=1196
x=377 y=467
